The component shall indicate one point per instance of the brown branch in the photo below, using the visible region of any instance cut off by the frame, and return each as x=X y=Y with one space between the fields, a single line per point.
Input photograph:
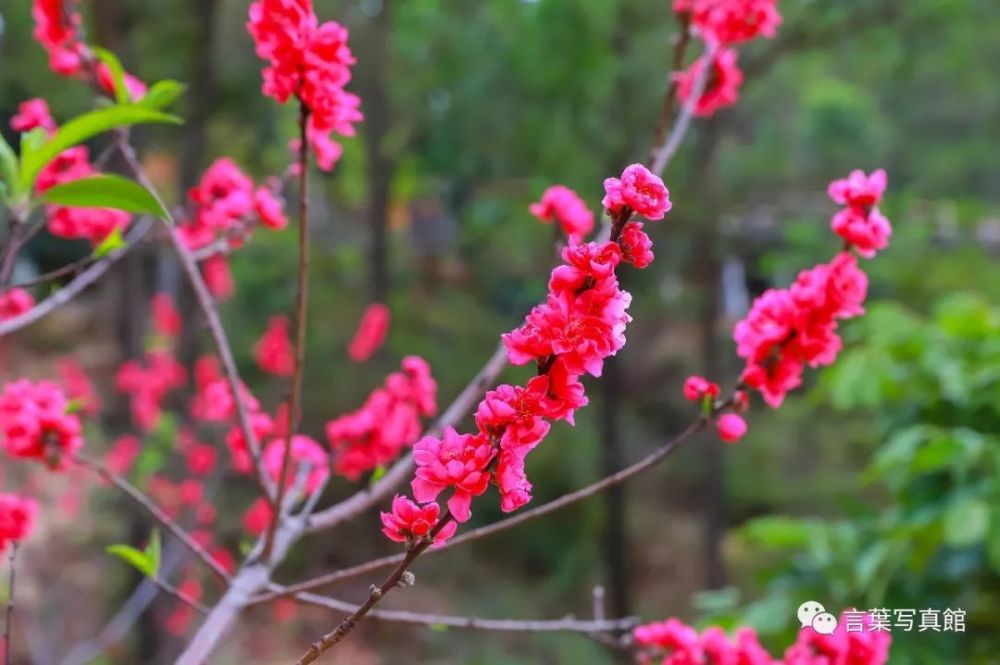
x=150 y=507
x=566 y=624
x=301 y=315
x=403 y=561
x=10 y=604
x=68 y=269
x=171 y=590
x=79 y=283
x=664 y=152
x=681 y=41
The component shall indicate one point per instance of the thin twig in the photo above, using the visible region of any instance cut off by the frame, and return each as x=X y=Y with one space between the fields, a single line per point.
x=211 y=314
x=663 y=153
x=150 y=507
x=10 y=604
x=301 y=315
x=171 y=590
x=567 y=624
x=681 y=41
x=79 y=283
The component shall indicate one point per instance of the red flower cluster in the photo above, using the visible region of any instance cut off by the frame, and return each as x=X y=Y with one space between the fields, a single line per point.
x=77 y=386
x=225 y=203
x=867 y=647
x=724 y=81
x=273 y=352
x=722 y=23
x=581 y=323
x=311 y=61
x=15 y=302
x=563 y=205
x=17 y=519
x=371 y=333
x=56 y=25
x=409 y=523
x=672 y=642
x=36 y=423
x=732 y=21
x=389 y=421
x=94 y=224
x=305 y=451
x=860 y=224
x=787 y=329
x=147 y=383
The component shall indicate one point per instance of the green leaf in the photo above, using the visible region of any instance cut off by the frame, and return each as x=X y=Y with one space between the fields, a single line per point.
x=8 y=167
x=113 y=241
x=105 y=191
x=153 y=550
x=776 y=532
x=80 y=129
x=377 y=474
x=138 y=560
x=966 y=522
x=162 y=94
x=117 y=73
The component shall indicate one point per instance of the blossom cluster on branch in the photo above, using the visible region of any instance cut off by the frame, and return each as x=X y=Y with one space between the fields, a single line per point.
x=722 y=24
x=672 y=642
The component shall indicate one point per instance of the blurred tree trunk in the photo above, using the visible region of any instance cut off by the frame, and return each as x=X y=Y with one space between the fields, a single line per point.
x=200 y=102
x=616 y=537
x=373 y=69
x=707 y=272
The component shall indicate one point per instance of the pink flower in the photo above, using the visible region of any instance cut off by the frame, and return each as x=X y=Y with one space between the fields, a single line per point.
x=78 y=387
x=147 y=383
x=270 y=209
x=257 y=517
x=636 y=246
x=273 y=352
x=239 y=451
x=411 y=523
x=14 y=303
x=859 y=190
x=17 y=518
x=166 y=318
x=868 y=232
x=565 y=392
x=456 y=460
x=511 y=481
x=638 y=189
x=387 y=423
x=371 y=333
x=33 y=113
x=732 y=21
x=304 y=451
x=105 y=78
x=56 y=25
x=311 y=61
x=563 y=205
x=122 y=455
x=516 y=415
x=35 y=424
x=855 y=647
x=723 y=85
x=697 y=387
x=218 y=279
x=201 y=459
x=731 y=427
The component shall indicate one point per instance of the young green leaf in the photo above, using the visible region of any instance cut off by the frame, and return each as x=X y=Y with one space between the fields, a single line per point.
x=153 y=550
x=113 y=241
x=117 y=73
x=138 y=560
x=80 y=129
x=162 y=94
x=8 y=167
x=105 y=191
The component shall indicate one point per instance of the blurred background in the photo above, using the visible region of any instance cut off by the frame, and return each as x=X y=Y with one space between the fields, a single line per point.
x=876 y=485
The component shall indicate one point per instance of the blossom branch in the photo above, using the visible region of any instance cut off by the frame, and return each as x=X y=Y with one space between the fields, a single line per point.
x=150 y=507
x=301 y=314
x=681 y=41
x=651 y=460
x=79 y=283
x=566 y=624
x=664 y=152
